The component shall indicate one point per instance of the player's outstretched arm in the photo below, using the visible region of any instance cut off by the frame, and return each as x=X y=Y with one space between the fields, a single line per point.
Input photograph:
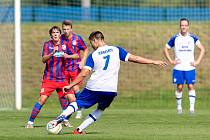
x=142 y=60
x=84 y=57
x=82 y=75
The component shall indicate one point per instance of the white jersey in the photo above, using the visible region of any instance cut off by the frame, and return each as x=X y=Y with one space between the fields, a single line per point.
x=105 y=64
x=184 y=50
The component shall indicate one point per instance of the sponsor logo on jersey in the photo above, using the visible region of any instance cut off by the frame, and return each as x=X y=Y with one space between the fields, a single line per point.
x=184 y=46
x=74 y=42
x=63 y=47
x=58 y=54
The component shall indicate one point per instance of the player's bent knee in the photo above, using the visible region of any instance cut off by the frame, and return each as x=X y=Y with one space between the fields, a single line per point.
x=43 y=99
x=191 y=87
x=71 y=97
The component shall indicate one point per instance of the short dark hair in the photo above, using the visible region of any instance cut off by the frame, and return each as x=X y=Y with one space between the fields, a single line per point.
x=97 y=35
x=184 y=19
x=53 y=28
x=67 y=22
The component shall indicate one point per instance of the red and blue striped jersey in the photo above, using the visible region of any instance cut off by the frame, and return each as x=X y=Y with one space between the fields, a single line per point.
x=55 y=66
x=74 y=45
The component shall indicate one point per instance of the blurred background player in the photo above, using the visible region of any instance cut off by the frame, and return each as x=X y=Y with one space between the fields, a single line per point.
x=101 y=88
x=184 y=64
x=53 y=55
x=75 y=44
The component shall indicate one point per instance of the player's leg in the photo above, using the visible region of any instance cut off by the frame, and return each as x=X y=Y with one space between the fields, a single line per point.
x=64 y=101
x=46 y=89
x=90 y=119
x=72 y=107
x=192 y=97
x=67 y=98
x=62 y=98
x=104 y=100
x=178 y=79
x=64 y=104
x=190 y=80
x=35 y=111
x=71 y=98
x=79 y=111
x=76 y=89
x=85 y=100
x=178 y=94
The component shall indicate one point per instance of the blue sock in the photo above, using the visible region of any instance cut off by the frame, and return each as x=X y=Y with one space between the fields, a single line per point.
x=67 y=118
x=35 y=111
x=64 y=102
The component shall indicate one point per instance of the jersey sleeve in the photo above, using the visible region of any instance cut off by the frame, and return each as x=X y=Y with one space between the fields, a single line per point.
x=197 y=42
x=81 y=43
x=123 y=54
x=196 y=39
x=45 y=49
x=171 y=42
x=89 y=62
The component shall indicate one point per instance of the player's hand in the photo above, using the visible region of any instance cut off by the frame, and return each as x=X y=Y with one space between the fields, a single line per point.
x=161 y=63
x=66 y=88
x=65 y=55
x=175 y=62
x=194 y=64
x=55 y=49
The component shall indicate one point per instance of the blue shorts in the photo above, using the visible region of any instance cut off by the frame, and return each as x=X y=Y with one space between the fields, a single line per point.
x=88 y=98
x=182 y=77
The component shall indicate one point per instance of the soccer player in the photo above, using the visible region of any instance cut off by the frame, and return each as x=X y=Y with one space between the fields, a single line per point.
x=103 y=65
x=75 y=44
x=53 y=55
x=184 y=64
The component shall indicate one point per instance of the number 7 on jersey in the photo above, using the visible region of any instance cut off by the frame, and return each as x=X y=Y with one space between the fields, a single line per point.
x=106 y=61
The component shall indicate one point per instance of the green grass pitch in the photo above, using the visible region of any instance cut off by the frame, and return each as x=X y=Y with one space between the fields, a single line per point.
x=119 y=122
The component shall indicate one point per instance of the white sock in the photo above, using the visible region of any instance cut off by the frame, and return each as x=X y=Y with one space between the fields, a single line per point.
x=30 y=122
x=79 y=111
x=91 y=118
x=178 y=99
x=72 y=107
x=192 y=99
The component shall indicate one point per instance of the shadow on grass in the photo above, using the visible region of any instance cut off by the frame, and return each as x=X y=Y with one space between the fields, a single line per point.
x=87 y=133
x=37 y=126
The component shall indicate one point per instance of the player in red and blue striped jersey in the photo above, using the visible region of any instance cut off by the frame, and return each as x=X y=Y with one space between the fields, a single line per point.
x=53 y=55
x=75 y=44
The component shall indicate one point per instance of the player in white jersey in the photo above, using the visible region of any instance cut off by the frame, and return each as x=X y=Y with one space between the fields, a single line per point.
x=184 y=63
x=103 y=65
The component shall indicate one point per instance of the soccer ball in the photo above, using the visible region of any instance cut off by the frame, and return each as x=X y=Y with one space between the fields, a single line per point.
x=52 y=129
